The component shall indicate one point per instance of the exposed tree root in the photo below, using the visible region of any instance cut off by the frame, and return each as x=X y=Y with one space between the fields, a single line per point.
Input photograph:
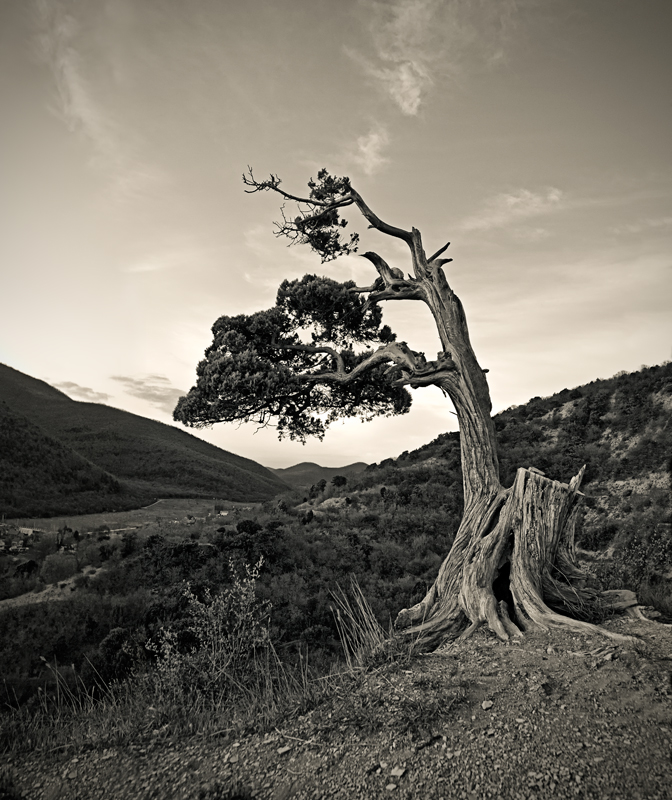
x=513 y=567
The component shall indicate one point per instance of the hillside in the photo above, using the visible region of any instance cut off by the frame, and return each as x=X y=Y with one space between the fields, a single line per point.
x=149 y=459
x=307 y=473
x=38 y=472
x=619 y=428
x=565 y=714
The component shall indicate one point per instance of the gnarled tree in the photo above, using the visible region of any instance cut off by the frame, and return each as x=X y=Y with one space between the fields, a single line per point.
x=321 y=353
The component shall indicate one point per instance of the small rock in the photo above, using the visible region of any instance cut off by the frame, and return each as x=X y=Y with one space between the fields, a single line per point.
x=486 y=704
x=397 y=772
x=285 y=749
x=391 y=787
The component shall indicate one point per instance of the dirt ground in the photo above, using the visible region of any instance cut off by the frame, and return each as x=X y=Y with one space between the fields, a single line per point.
x=53 y=591
x=553 y=715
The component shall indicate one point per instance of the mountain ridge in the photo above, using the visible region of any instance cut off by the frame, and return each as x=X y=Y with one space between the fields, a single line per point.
x=148 y=458
x=308 y=472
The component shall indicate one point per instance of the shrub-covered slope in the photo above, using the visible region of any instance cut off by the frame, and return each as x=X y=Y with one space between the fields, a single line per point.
x=150 y=459
x=619 y=428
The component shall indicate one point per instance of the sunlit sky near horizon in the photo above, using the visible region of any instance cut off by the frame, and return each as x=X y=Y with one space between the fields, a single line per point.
x=535 y=135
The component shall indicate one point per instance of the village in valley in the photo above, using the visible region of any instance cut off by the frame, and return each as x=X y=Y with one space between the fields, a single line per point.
x=35 y=554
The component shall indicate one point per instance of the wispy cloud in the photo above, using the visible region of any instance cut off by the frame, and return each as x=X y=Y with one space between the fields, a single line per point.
x=370 y=148
x=507 y=208
x=155 y=389
x=416 y=42
x=78 y=392
x=58 y=45
x=642 y=225
x=401 y=33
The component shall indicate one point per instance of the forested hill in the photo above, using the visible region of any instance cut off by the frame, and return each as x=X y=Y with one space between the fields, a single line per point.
x=37 y=472
x=143 y=458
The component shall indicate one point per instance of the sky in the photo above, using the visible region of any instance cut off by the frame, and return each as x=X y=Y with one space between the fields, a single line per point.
x=535 y=135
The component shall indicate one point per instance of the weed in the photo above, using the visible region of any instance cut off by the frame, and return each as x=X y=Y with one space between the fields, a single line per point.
x=365 y=643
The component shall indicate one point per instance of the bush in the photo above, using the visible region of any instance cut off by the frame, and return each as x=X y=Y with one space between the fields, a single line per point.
x=58 y=567
x=225 y=630
x=599 y=537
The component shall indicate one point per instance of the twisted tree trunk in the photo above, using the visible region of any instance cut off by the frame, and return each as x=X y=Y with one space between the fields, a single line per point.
x=512 y=564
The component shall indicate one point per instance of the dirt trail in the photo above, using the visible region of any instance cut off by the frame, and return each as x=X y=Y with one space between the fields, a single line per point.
x=52 y=591
x=557 y=716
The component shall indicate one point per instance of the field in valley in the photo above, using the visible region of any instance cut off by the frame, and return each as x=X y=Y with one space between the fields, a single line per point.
x=164 y=510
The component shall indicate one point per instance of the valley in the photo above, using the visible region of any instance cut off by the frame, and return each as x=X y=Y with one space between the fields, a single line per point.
x=108 y=600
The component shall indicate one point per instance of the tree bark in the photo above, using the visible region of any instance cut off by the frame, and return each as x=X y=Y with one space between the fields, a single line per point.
x=512 y=567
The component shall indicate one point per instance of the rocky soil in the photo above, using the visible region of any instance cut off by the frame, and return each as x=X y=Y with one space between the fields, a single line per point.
x=550 y=716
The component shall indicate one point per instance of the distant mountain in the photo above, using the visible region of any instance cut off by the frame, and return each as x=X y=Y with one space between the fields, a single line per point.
x=148 y=459
x=307 y=473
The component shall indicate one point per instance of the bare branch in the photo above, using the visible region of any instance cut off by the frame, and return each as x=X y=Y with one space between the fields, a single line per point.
x=376 y=222
x=391 y=285
x=400 y=291
x=438 y=252
x=310 y=348
x=273 y=184
x=412 y=368
x=379 y=283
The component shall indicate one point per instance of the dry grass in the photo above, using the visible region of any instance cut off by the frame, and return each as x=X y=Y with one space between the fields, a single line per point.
x=256 y=692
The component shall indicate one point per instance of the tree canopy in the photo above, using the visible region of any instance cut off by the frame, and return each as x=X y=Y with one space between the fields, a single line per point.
x=295 y=364
x=321 y=353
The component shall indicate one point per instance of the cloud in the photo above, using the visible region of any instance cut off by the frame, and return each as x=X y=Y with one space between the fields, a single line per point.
x=649 y=224
x=75 y=102
x=369 y=150
x=78 y=392
x=418 y=42
x=401 y=36
x=504 y=209
x=155 y=389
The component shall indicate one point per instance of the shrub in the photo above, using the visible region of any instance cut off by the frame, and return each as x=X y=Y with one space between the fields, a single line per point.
x=58 y=567
x=227 y=631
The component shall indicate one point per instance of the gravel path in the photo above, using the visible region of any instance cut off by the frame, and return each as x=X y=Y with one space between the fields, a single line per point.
x=554 y=716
